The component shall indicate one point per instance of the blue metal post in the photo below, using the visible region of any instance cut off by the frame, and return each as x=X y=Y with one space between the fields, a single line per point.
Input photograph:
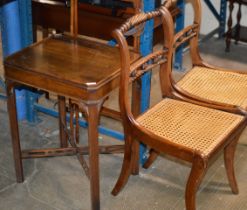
x=82 y=123
x=212 y=9
x=146 y=46
x=25 y=8
x=178 y=63
x=31 y=99
x=11 y=39
x=220 y=16
x=10 y=28
x=27 y=39
x=223 y=8
x=3 y=97
x=2 y=84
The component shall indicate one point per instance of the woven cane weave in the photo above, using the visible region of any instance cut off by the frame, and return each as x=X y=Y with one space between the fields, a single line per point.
x=216 y=85
x=192 y=126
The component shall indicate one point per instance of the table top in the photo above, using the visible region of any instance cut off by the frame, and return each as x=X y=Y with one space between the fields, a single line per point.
x=81 y=63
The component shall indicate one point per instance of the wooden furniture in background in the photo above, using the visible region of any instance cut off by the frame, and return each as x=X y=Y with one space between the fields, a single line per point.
x=238 y=32
x=183 y=130
x=94 y=20
x=80 y=70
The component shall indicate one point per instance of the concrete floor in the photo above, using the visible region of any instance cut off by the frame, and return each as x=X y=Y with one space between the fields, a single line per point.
x=60 y=184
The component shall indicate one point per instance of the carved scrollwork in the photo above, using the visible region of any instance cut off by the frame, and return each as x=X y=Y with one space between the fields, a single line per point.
x=147 y=63
x=185 y=35
x=136 y=20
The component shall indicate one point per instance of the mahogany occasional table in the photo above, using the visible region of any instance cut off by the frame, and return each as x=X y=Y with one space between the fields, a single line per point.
x=78 y=69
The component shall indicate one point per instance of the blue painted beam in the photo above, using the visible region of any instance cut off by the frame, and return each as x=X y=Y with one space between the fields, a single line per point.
x=178 y=62
x=212 y=9
x=82 y=123
x=2 y=83
x=146 y=46
x=220 y=16
x=32 y=98
x=25 y=11
x=11 y=42
x=223 y=8
x=3 y=97
x=10 y=28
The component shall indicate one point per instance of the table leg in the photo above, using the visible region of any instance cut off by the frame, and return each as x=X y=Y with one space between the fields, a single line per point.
x=62 y=121
x=93 y=111
x=11 y=103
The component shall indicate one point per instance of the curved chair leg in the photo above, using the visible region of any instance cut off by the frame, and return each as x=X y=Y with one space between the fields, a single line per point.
x=199 y=168
x=135 y=157
x=126 y=167
x=229 y=165
x=152 y=157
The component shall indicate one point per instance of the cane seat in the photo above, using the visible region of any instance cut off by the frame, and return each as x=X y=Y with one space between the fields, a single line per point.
x=194 y=127
x=216 y=85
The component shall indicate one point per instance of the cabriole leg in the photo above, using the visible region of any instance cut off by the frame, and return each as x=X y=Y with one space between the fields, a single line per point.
x=197 y=173
x=126 y=167
x=229 y=165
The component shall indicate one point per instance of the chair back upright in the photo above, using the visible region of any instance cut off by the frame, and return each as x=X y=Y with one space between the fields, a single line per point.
x=74 y=18
x=130 y=72
x=190 y=33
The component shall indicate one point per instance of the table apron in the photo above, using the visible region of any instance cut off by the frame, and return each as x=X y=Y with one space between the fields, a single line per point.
x=63 y=88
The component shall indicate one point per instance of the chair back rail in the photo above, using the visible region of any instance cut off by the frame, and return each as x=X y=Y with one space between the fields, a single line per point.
x=185 y=35
x=130 y=72
x=143 y=65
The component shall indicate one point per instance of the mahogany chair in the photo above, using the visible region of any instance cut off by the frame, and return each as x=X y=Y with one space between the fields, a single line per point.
x=207 y=84
x=183 y=130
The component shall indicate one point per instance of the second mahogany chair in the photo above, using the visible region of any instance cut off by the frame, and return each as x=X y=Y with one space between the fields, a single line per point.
x=207 y=84
x=183 y=130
